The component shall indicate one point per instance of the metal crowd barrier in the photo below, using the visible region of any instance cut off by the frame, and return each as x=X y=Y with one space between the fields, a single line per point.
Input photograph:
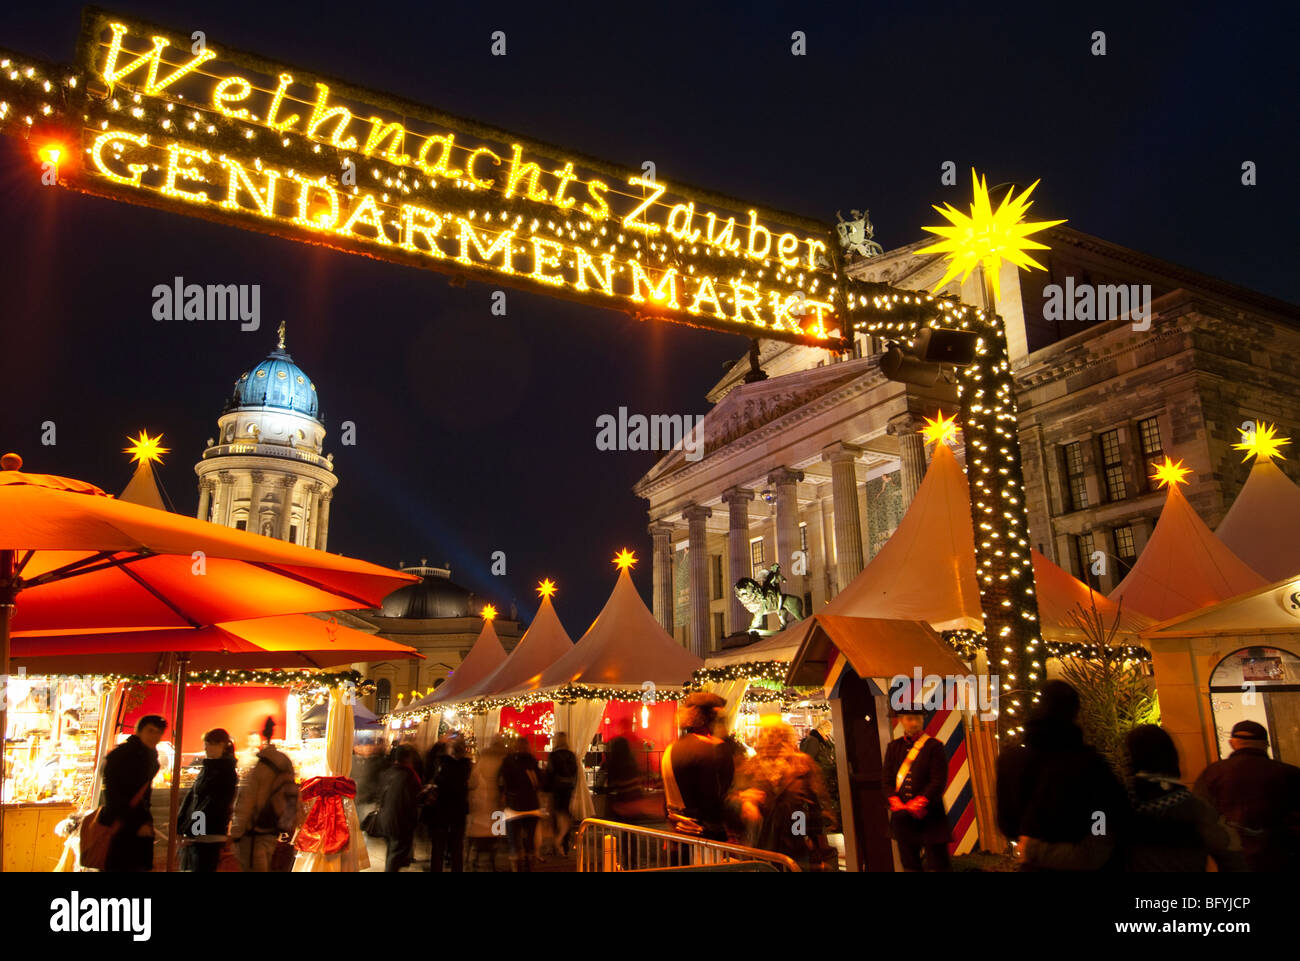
x=606 y=846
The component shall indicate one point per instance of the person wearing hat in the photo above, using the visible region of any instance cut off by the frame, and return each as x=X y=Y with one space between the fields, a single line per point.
x=915 y=775
x=1258 y=796
x=698 y=769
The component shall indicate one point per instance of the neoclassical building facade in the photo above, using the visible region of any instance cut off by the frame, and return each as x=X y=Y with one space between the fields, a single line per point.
x=813 y=466
x=266 y=470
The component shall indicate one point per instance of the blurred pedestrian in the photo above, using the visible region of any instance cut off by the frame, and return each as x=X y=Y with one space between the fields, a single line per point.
x=780 y=799
x=915 y=777
x=519 y=783
x=129 y=770
x=624 y=781
x=698 y=769
x=449 y=810
x=1259 y=797
x=205 y=816
x=1058 y=799
x=486 y=825
x=562 y=778
x=399 y=807
x=266 y=807
x=1172 y=828
x=819 y=746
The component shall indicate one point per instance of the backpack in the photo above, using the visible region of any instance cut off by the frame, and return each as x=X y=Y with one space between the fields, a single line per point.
x=280 y=813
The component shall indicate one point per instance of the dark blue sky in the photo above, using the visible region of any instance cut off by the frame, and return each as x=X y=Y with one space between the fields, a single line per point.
x=477 y=433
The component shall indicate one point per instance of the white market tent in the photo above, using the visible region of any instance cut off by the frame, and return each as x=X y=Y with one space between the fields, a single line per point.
x=1271 y=609
x=544 y=643
x=483 y=658
x=1263 y=525
x=926 y=572
x=1183 y=566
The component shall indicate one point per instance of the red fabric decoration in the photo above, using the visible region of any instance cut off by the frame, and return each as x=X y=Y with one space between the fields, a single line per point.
x=895 y=803
x=918 y=805
x=326 y=829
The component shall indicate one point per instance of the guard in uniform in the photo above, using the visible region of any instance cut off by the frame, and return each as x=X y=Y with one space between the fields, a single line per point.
x=915 y=774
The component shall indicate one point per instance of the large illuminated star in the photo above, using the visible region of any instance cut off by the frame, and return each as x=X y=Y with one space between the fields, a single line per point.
x=987 y=237
x=940 y=429
x=144 y=448
x=624 y=559
x=1261 y=442
x=488 y=612
x=546 y=588
x=1170 y=473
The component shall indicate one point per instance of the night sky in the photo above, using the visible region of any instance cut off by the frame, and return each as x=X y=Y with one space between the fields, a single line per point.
x=477 y=433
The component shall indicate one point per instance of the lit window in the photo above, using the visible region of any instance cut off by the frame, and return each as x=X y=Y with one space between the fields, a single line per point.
x=1112 y=466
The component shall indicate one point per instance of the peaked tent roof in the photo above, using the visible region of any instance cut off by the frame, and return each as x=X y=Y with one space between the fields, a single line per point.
x=926 y=572
x=483 y=658
x=625 y=647
x=1272 y=609
x=1263 y=525
x=142 y=489
x=544 y=643
x=1183 y=567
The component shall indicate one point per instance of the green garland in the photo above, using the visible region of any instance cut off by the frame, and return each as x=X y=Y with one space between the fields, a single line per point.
x=295 y=679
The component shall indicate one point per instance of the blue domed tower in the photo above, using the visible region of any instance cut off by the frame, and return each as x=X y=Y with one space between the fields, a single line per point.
x=265 y=472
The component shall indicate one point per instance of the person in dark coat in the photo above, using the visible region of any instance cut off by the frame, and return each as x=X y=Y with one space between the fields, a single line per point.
x=1172 y=828
x=129 y=770
x=916 y=775
x=624 y=784
x=562 y=778
x=819 y=746
x=399 y=807
x=447 y=814
x=698 y=769
x=1058 y=799
x=205 y=815
x=519 y=780
x=1259 y=797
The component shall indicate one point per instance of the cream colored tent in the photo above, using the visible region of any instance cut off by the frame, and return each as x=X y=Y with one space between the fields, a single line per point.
x=1263 y=525
x=1183 y=566
x=544 y=643
x=483 y=658
x=926 y=572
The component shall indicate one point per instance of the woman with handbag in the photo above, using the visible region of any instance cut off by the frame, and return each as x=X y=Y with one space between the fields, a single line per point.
x=205 y=816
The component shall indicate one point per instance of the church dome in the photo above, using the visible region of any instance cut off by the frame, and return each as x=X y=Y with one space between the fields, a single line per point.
x=276 y=382
x=434 y=595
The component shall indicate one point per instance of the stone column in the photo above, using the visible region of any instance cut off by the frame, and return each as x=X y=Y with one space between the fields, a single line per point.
x=287 y=484
x=323 y=528
x=785 y=483
x=313 y=505
x=737 y=500
x=911 y=453
x=663 y=574
x=697 y=549
x=255 y=502
x=205 y=499
x=848 y=523
x=226 y=497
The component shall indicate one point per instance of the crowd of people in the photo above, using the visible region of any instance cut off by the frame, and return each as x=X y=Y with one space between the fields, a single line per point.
x=1059 y=802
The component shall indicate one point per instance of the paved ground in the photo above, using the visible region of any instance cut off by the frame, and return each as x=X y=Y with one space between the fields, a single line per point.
x=551 y=862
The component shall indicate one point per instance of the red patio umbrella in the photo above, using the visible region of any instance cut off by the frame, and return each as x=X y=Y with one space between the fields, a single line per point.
x=74 y=559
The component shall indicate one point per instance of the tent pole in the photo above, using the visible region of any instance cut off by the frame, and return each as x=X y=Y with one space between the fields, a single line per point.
x=8 y=594
x=178 y=730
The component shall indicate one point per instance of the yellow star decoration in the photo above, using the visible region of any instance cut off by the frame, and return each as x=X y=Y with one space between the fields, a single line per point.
x=1261 y=442
x=987 y=236
x=144 y=448
x=1170 y=473
x=488 y=612
x=940 y=429
x=624 y=559
x=546 y=588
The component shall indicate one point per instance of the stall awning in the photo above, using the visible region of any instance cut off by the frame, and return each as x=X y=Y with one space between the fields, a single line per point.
x=874 y=647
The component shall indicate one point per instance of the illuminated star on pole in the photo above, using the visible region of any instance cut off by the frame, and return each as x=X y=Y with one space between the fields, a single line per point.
x=145 y=449
x=488 y=612
x=546 y=588
x=940 y=430
x=1262 y=442
x=987 y=237
x=1170 y=473
x=624 y=559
